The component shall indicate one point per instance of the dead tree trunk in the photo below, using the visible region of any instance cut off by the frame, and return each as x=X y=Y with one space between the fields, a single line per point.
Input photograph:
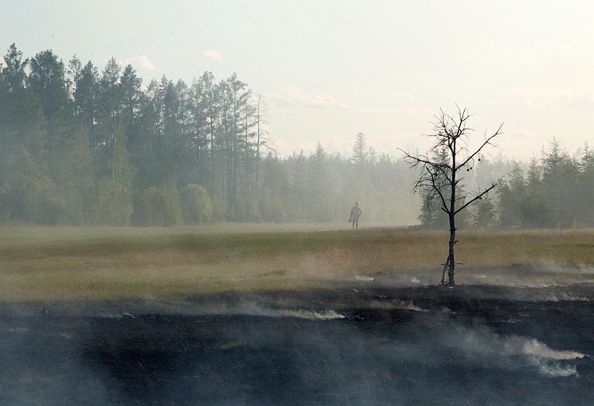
x=441 y=175
x=451 y=260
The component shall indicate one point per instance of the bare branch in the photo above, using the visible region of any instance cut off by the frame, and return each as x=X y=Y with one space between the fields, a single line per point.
x=477 y=197
x=478 y=150
x=420 y=160
x=437 y=189
x=442 y=167
x=462 y=117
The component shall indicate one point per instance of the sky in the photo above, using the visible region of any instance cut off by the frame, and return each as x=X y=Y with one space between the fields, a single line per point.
x=329 y=69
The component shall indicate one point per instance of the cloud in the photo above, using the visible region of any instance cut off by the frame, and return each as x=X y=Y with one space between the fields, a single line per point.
x=520 y=143
x=525 y=134
x=212 y=55
x=400 y=102
x=398 y=110
x=292 y=96
x=141 y=62
x=578 y=98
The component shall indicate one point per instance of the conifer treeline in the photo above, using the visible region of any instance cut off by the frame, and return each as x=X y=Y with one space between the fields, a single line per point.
x=83 y=146
x=555 y=191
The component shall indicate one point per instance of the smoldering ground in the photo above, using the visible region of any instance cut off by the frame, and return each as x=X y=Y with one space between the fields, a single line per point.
x=374 y=346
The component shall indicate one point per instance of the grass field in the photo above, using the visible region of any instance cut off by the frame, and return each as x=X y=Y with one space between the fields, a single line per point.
x=74 y=263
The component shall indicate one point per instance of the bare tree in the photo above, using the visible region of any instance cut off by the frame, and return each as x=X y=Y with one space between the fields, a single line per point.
x=442 y=171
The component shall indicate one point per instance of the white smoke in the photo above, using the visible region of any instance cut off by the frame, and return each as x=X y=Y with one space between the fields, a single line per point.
x=535 y=348
x=252 y=308
x=556 y=370
x=564 y=297
x=481 y=342
x=308 y=314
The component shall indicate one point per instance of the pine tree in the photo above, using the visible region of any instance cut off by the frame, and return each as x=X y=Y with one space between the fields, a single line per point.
x=484 y=213
x=560 y=180
x=585 y=194
x=360 y=151
x=511 y=198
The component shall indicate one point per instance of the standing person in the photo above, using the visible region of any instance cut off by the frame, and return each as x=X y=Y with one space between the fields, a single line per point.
x=354 y=216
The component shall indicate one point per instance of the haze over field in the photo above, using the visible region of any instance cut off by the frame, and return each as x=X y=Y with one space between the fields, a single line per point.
x=329 y=69
x=262 y=202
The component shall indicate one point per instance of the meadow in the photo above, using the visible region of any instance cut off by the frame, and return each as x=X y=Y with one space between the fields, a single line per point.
x=77 y=263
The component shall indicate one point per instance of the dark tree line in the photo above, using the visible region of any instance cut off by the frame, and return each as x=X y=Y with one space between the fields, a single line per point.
x=83 y=145
x=554 y=191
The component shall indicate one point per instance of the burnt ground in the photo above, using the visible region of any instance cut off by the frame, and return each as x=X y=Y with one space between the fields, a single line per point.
x=410 y=346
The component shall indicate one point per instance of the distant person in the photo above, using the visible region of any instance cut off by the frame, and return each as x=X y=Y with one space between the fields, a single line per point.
x=354 y=216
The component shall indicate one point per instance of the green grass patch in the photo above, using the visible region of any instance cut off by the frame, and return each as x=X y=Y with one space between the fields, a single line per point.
x=77 y=263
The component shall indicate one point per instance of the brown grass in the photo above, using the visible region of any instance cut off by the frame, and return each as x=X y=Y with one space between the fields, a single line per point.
x=69 y=263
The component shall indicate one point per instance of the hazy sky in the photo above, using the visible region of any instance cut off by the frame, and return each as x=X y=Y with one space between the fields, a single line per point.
x=329 y=69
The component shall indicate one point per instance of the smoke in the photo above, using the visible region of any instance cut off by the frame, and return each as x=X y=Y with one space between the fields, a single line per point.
x=306 y=314
x=41 y=364
x=543 y=358
x=512 y=352
x=251 y=308
x=556 y=370
x=544 y=274
x=537 y=349
x=306 y=349
x=565 y=297
x=395 y=304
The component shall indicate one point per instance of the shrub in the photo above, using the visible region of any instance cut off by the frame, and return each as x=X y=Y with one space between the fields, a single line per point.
x=158 y=206
x=197 y=207
x=113 y=203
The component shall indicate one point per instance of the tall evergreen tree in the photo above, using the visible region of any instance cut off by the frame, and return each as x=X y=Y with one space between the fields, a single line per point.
x=560 y=179
x=360 y=150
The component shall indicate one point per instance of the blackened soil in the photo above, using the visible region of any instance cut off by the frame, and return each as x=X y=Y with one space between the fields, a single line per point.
x=472 y=345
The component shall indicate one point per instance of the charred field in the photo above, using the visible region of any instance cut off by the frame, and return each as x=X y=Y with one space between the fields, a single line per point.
x=296 y=318
x=371 y=346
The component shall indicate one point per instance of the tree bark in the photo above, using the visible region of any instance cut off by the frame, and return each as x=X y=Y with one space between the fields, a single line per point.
x=451 y=253
x=452 y=217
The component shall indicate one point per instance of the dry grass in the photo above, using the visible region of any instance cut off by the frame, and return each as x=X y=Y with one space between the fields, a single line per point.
x=68 y=263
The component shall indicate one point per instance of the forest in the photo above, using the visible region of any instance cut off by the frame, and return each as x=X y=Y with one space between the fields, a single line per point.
x=553 y=191
x=80 y=146
x=84 y=146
